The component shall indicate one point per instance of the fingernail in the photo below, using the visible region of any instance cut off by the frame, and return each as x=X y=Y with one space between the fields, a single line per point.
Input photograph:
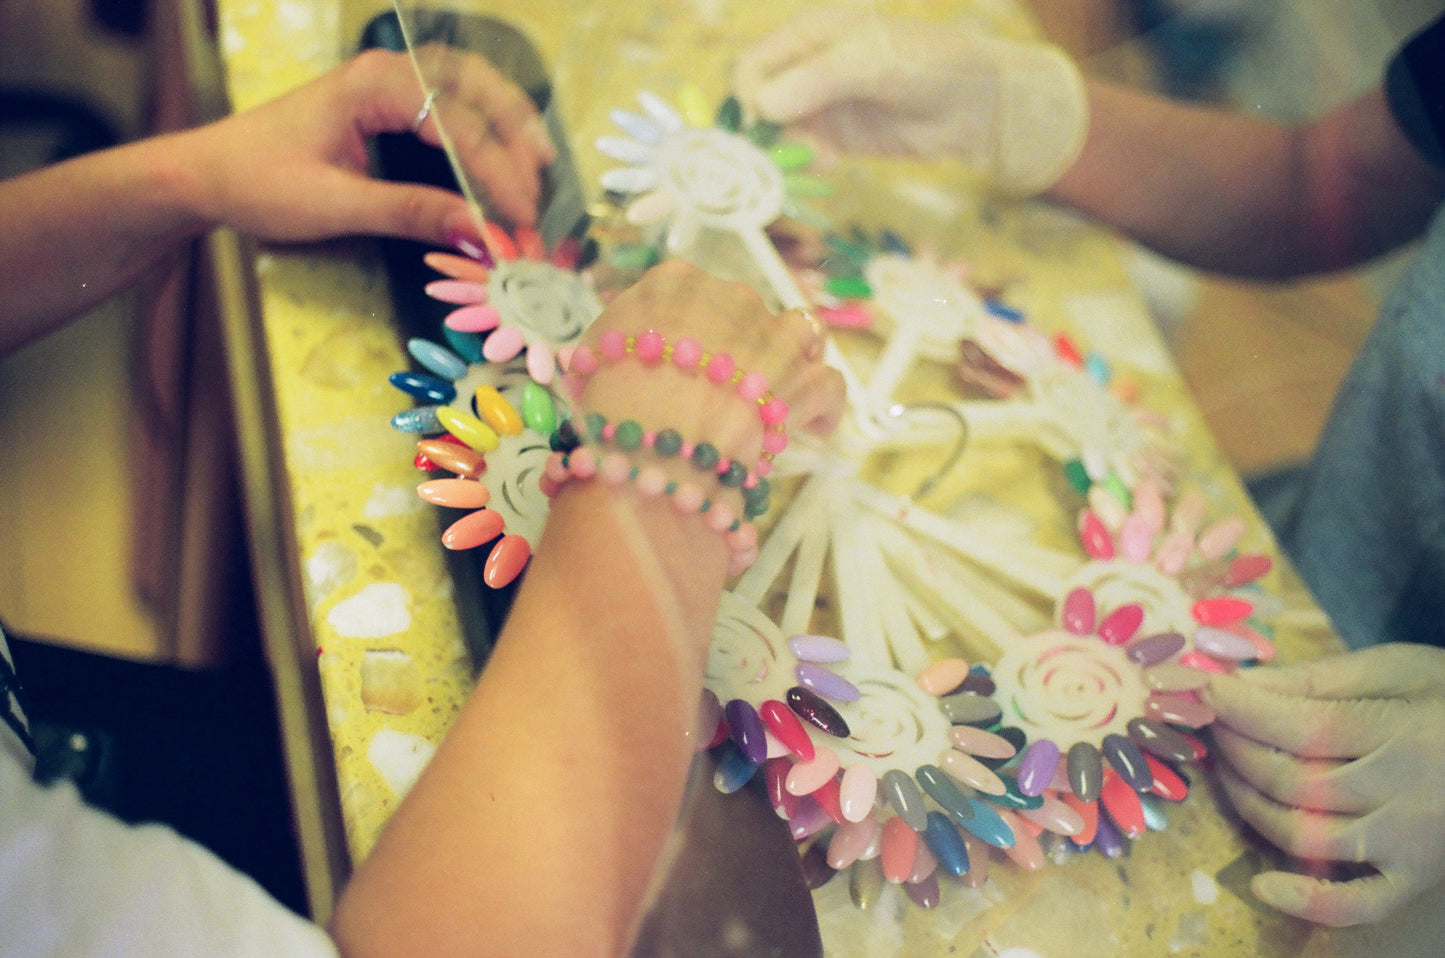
x=469 y=243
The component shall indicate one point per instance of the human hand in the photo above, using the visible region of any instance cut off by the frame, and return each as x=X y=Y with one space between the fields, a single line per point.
x=1015 y=111
x=1339 y=762
x=295 y=169
x=680 y=301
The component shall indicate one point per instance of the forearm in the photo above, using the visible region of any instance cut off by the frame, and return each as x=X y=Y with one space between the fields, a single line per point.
x=1230 y=193
x=536 y=826
x=75 y=233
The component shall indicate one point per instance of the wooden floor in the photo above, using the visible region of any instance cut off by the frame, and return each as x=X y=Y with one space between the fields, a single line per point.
x=1263 y=361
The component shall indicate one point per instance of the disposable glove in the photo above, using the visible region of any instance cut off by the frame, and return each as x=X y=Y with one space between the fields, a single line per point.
x=1340 y=760
x=1015 y=111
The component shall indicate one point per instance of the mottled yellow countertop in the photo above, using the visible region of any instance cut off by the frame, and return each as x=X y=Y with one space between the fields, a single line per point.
x=378 y=598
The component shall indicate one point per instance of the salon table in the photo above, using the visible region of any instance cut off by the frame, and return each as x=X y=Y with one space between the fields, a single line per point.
x=357 y=600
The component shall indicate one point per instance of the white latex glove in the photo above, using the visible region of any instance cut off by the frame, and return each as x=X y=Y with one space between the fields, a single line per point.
x=1340 y=760
x=1015 y=111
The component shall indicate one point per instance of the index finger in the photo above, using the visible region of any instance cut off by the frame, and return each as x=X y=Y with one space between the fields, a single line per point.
x=1308 y=728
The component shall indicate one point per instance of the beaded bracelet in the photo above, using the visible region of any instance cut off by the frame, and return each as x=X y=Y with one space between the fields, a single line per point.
x=614 y=468
x=629 y=436
x=688 y=355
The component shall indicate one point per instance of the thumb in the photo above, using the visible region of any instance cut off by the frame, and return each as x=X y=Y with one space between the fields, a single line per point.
x=1359 y=901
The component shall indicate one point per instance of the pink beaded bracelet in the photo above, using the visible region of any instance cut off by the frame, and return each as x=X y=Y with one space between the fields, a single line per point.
x=614 y=468
x=687 y=354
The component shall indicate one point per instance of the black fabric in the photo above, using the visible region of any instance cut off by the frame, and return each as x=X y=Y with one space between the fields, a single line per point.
x=198 y=750
x=1415 y=88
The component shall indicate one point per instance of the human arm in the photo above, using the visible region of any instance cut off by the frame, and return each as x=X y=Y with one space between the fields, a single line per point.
x=292 y=170
x=1338 y=763
x=1212 y=188
x=536 y=827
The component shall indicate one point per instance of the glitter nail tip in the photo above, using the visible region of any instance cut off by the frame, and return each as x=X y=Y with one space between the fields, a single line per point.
x=811 y=707
x=942 y=677
x=506 y=561
x=1037 y=765
x=968 y=709
x=818 y=648
x=747 y=729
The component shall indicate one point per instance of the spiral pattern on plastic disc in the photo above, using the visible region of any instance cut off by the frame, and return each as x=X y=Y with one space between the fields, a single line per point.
x=543 y=300
x=749 y=657
x=720 y=178
x=894 y=724
x=1068 y=688
x=914 y=293
x=1164 y=601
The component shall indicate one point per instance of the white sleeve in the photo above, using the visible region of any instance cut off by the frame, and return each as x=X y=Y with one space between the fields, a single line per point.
x=77 y=883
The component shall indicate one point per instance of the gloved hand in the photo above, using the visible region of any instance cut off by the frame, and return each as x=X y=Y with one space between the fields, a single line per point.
x=1340 y=760
x=1015 y=111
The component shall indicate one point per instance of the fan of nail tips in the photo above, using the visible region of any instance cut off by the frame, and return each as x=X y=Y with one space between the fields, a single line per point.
x=485 y=412
x=1024 y=386
x=1075 y=737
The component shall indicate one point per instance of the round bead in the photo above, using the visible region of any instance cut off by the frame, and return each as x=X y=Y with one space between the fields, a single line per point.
x=583 y=361
x=628 y=435
x=773 y=412
x=688 y=498
x=720 y=368
x=774 y=442
x=612 y=344
x=733 y=476
x=753 y=386
x=649 y=346
x=651 y=481
x=686 y=353
x=615 y=468
x=705 y=456
x=667 y=443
